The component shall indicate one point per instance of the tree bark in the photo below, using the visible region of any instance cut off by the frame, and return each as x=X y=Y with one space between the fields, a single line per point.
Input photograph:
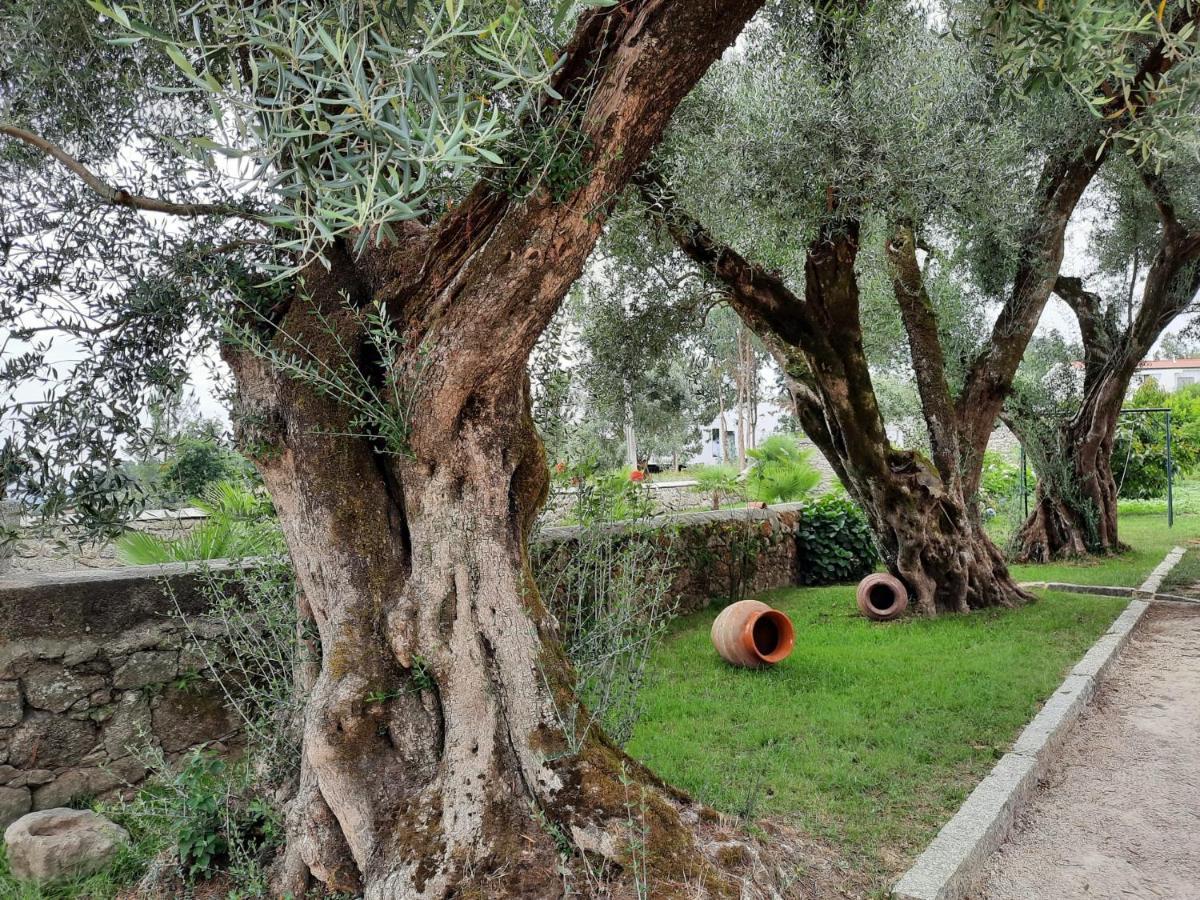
x=1075 y=509
x=443 y=750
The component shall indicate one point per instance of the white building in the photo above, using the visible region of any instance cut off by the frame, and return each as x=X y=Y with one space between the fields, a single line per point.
x=770 y=416
x=1171 y=374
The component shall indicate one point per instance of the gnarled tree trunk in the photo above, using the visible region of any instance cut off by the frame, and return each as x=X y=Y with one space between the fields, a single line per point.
x=931 y=539
x=922 y=519
x=1076 y=508
x=440 y=748
x=443 y=750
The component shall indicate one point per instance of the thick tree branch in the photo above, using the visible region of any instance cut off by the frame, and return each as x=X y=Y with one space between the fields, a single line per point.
x=1174 y=276
x=989 y=379
x=118 y=196
x=763 y=302
x=497 y=267
x=1162 y=199
x=476 y=288
x=1063 y=181
x=1097 y=329
x=758 y=296
x=929 y=362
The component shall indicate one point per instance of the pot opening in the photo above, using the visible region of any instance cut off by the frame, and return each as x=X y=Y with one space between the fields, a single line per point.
x=881 y=597
x=773 y=636
x=766 y=636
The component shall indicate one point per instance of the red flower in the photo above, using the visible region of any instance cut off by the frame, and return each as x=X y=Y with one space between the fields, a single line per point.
x=637 y=475
x=560 y=467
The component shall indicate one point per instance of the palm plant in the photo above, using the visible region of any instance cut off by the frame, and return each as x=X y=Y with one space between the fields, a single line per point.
x=240 y=523
x=719 y=482
x=781 y=471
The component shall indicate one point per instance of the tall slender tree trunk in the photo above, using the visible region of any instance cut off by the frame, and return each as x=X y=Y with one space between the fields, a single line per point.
x=741 y=428
x=631 y=445
x=721 y=424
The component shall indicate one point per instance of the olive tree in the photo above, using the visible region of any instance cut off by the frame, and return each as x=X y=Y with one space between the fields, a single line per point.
x=968 y=137
x=1151 y=215
x=376 y=207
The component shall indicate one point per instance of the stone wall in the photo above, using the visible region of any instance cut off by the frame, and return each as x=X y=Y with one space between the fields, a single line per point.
x=96 y=665
x=59 y=551
x=92 y=665
x=717 y=554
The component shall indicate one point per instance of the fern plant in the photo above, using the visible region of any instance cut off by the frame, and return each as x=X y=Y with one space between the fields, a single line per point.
x=240 y=524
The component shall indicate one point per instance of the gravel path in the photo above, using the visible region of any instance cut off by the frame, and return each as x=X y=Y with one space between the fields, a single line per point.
x=1119 y=816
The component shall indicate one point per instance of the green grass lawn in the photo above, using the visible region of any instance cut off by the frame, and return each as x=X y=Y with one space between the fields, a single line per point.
x=1149 y=540
x=1185 y=577
x=870 y=736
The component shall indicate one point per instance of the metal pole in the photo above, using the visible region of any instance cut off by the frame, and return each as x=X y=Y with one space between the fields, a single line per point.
x=1170 y=477
x=1024 y=484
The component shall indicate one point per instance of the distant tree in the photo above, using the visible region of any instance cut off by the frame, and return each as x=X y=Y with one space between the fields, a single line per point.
x=197 y=463
x=1177 y=346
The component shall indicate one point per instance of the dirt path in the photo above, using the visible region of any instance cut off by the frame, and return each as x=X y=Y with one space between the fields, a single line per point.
x=1119 y=816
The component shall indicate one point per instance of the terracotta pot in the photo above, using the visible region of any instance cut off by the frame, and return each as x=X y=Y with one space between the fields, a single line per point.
x=882 y=597
x=751 y=634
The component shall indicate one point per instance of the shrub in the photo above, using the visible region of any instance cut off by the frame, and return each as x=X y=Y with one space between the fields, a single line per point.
x=1139 y=459
x=833 y=542
x=263 y=648
x=781 y=472
x=204 y=814
x=609 y=589
x=1001 y=479
x=207 y=816
x=605 y=496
